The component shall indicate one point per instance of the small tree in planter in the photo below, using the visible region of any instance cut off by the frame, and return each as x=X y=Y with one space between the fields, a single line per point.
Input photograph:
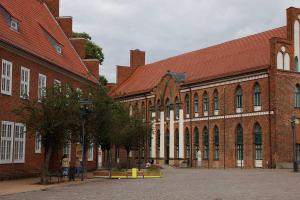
x=55 y=117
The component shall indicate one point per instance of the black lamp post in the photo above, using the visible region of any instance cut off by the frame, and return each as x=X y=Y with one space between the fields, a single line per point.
x=294 y=121
x=84 y=111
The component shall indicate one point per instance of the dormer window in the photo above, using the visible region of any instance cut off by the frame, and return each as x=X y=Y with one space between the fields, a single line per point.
x=58 y=49
x=14 y=24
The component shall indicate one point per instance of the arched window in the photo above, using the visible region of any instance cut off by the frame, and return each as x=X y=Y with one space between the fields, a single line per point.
x=216 y=100
x=187 y=143
x=196 y=142
x=196 y=103
x=177 y=107
x=158 y=104
x=296 y=68
x=297 y=96
x=216 y=143
x=130 y=110
x=283 y=58
x=239 y=145
x=168 y=108
x=239 y=99
x=258 y=141
x=205 y=103
x=167 y=146
x=257 y=95
x=187 y=104
x=206 y=143
x=158 y=144
x=177 y=142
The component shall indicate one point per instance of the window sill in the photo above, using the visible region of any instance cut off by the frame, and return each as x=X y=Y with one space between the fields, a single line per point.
x=187 y=116
x=216 y=112
x=239 y=110
x=196 y=114
x=257 y=108
x=6 y=93
x=205 y=113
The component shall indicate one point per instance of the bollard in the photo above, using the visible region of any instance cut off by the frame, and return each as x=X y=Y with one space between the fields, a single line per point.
x=134 y=172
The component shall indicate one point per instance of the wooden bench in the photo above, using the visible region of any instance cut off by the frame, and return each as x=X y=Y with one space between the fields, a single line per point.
x=58 y=175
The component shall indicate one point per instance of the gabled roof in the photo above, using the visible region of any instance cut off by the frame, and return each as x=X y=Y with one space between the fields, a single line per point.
x=36 y=23
x=237 y=56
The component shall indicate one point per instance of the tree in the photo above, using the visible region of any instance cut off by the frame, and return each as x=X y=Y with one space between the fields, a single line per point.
x=56 y=118
x=92 y=49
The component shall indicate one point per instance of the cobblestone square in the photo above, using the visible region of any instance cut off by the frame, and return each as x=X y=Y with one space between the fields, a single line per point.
x=182 y=184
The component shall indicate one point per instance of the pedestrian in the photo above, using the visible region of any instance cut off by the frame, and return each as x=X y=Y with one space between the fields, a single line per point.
x=77 y=167
x=65 y=165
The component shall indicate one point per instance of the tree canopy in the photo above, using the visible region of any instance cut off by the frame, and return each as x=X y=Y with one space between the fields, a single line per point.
x=93 y=51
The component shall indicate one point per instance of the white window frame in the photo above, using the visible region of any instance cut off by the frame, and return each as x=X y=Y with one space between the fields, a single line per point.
x=91 y=152
x=57 y=82
x=24 y=82
x=38 y=142
x=6 y=139
x=67 y=150
x=6 y=78
x=19 y=143
x=42 y=84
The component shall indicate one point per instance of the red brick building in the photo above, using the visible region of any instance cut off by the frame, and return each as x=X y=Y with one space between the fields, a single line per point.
x=36 y=51
x=225 y=106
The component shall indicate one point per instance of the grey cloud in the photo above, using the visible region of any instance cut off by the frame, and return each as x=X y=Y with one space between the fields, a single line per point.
x=165 y=28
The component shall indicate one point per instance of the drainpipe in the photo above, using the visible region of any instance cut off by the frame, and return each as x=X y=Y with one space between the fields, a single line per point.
x=270 y=137
x=191 y=131
x=208 y=133
x=147 y=127
x=224 y=139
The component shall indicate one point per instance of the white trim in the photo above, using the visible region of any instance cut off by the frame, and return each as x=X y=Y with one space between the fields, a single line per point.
x=68 y=147
x=6 y=77
x=237 y=80
x=257 y=108
x=216 y=112
x=258 y=163
x=138 y=98
x=37 y=144
x=91 y=156
x=10 y=139
x=25 y=82
x=239 y=110
x=42 y=84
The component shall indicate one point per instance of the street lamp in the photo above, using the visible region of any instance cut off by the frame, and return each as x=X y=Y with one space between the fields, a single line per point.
x=84 y=111
x=294 y=121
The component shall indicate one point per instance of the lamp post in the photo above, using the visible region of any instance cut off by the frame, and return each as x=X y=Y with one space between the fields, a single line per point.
x=294 y=121
x=84 y=111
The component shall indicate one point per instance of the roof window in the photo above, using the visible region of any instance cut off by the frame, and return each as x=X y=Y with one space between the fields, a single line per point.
x=14 y=24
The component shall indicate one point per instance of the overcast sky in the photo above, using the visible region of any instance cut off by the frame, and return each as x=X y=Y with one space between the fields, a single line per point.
x=165 y=28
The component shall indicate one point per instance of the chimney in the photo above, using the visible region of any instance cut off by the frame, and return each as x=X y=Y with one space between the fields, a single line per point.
x=137 y=58
x=53 y=6
x=93 y=66
x=123 y=73
x=66 y=24
x=79 y=46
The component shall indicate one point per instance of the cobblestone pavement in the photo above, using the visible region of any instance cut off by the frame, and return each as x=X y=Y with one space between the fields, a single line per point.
x=182 y=184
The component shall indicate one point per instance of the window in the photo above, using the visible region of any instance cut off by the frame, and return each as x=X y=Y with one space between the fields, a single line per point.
x=130 y=110
x=177 y=143
x=187 y=143
x=57 y=47
x=91 y=152
x=297 y=96
x=296 y=68
x=239 y=143
x=196 y=103
x=258 y=142
x=216 y=143
x=38 y=142
x=168 y=108
x=298 y=152
x=187 y=105
x=25 y=80
x=206 y=143
x=205 y=103
x=57 y=83
x=196 y=142
x=6 y=77
x=239 y=99
x=257 y=95
x=158 y=144
x=283 y=59
x=177 y=107
x=19 y=143
x=6 y=142
x=41 y=87
x=158 y=110
x=14 y=24
x=216 y=100
x=67 y=150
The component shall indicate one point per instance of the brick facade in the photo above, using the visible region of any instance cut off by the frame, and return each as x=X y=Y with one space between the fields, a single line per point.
x=272 y=117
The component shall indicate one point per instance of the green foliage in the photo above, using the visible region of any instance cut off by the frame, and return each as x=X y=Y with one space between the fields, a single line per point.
x=93 y=51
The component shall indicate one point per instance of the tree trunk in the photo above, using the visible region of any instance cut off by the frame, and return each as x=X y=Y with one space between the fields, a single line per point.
x=45 y=168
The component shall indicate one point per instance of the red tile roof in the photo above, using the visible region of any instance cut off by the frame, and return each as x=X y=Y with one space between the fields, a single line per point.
x=36 y=22
x=237 y=56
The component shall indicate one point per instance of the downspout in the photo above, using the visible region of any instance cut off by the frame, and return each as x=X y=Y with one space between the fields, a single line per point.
x=224 y=141
x=270 y=137
x=209 y=133
x=191 y=131
x=147 y=127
